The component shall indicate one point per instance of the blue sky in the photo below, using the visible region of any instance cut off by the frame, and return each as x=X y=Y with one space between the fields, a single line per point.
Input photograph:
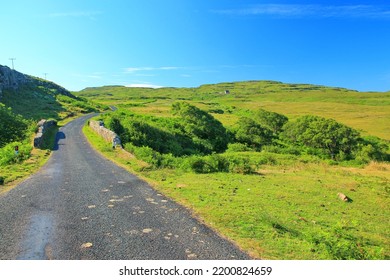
x=188 y=43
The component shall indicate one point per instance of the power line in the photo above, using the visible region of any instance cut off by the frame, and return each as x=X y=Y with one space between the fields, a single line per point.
x=13 y=68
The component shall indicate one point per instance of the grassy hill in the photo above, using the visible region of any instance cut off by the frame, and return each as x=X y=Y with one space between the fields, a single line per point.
x=43 y=99
x=275 y=200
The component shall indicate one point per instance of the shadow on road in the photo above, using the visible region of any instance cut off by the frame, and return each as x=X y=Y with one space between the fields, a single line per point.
x=59 y=136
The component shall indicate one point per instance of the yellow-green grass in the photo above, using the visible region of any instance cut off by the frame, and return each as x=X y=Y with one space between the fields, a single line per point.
x=286 y=211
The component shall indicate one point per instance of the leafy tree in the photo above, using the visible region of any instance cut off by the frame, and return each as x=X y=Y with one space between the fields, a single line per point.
x=271 y=120
x=252 y=134
x=326 y=134
x=202 y=127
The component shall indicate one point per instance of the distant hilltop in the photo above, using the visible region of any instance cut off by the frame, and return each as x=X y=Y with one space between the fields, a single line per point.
x=12 y=79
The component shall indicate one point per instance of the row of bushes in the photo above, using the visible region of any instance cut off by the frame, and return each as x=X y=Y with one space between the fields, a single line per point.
x=196 y=141
x=227 y=162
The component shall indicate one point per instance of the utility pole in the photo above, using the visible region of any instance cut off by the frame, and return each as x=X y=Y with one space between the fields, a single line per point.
x=45 y=75
x=12 y=63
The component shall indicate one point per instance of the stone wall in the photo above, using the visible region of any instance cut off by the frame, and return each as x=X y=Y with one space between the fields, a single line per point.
x=43 y=125
x=108 y=135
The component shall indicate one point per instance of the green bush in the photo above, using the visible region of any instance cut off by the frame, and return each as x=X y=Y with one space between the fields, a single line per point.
x=278 y=149
x=326 y=135
x=8 y=155
x=238 y=147
x=240 y=165
x=271 y=120
x=146 y=154
x=197 y=165
x=12 y=127
x=252 y=134
x=218 y=163
x=201 y=127
x=372 y=148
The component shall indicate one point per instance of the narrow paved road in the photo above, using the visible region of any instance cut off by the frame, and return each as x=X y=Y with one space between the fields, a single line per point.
x=82 y=206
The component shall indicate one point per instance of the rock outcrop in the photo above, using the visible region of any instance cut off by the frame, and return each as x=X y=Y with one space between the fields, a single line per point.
x=11 y=79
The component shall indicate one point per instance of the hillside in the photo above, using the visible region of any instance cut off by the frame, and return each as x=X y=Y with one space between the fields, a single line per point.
x=35 y=98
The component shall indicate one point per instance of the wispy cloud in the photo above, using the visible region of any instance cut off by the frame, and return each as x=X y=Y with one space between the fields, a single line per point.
x=318 y=11
x=79 y=14
x=94 y=76
x=132 y=70
x=144 y=85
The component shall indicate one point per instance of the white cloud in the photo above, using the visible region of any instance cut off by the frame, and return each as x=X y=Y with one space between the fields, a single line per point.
x=94 y=76
x=144 y=85
x=139 y=69
x=319 y=11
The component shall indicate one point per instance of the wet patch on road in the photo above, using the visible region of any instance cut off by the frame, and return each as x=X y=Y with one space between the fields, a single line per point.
x=36 y=245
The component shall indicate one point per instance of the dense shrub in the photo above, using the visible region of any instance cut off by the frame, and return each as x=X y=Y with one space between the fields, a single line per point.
x=238 y=147
x=372 y=148
x=12 y=127
x=252 y=134
x=270 y=120
x=218 y=163
x=332 y=138
x=201 y=127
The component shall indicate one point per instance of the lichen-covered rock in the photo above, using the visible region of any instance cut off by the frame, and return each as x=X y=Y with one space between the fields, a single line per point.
x=43 y=125
x=11 y=79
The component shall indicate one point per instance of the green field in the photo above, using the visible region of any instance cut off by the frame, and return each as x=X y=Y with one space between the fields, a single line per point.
x=288 y=206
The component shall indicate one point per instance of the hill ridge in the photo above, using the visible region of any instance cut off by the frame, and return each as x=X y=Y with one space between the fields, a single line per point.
x=13 y=80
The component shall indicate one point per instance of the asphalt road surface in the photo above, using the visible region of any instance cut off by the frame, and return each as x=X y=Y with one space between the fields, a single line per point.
x=82 y=206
